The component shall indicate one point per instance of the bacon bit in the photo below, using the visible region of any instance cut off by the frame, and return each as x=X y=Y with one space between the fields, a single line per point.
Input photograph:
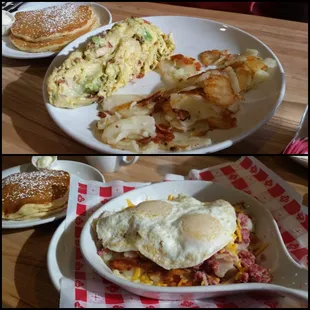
x=182 y=115
x=60 y=81
x=140 y=76
x=156 y=97
x=102 y=115
x=186 y=61
x=129 y=263
x=164 y=134
x=177 y=57
x=146 y=21
x=145 y=141
x=139 y=62
x=100 y=99
x=110 y=45
x=182 y=58
x=116 y=126
x=198 y=66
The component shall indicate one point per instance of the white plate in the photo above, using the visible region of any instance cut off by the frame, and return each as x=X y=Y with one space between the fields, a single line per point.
x=302 y=160
x=192 y=36
x=10 y=51
x=83 y=171
x=287 y=274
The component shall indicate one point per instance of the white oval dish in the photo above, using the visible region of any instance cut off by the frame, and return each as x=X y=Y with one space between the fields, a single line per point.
x=8 y=50
x=83 y=171
x=192 y=36
x=287 y=274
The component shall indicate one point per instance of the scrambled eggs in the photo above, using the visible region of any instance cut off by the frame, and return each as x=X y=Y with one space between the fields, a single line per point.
x=109 y=61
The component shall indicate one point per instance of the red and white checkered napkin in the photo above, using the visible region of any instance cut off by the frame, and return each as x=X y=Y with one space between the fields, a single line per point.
x=88 y=289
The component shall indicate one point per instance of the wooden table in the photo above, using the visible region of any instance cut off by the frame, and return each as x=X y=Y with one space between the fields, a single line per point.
x=25 y=279
x=27 y=127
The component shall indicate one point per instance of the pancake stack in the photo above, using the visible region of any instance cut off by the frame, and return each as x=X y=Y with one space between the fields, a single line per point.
x=50 y=29
x=32 y=195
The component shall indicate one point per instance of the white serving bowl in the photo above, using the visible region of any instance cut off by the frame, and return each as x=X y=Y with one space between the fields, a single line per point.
x=288 y=276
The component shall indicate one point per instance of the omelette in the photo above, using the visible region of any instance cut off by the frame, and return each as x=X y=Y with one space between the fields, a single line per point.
x=109 y=61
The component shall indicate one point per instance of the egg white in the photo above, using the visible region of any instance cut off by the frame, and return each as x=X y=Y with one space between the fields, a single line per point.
x=174 y=234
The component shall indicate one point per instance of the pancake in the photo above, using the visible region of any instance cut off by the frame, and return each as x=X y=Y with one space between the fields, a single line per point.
x=52 y=22
x=51 y=45
x=30 y=195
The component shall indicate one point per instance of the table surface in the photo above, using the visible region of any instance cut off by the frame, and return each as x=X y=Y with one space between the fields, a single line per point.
x=25 y=279
x=28 y=129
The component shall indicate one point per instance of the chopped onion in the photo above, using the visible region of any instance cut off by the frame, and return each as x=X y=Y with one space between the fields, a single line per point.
x=270 y=63
x=251 y=52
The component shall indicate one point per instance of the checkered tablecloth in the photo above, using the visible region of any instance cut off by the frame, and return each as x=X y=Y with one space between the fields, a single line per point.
x=88 y=289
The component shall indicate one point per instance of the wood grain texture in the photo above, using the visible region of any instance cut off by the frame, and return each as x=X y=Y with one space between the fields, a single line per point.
x=27 y=127
x=25 y=279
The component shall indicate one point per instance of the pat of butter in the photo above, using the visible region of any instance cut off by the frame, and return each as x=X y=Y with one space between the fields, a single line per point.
x=45 y=161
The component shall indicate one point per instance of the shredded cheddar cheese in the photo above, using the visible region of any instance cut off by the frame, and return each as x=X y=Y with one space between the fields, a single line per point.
x=240 y=268
x=137 y=274
x=238 y=231
x=238 y=210
x=215 y=279
x=261 y=249
x=171 y=197
x=238 y=276
x=145 y=279
x=232 y=247
x=129 y=204
x=238 y=265
x=181 y=282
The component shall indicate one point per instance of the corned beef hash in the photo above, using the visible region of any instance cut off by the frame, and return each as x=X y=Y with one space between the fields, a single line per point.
x=182 y=242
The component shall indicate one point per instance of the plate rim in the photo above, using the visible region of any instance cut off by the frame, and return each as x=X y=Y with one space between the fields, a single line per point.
x=22 y=54
x=51 y=252
x=302 y=162
x=102 y=147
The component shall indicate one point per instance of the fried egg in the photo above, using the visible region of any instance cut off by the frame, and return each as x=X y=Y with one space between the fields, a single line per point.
x=174 y=234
